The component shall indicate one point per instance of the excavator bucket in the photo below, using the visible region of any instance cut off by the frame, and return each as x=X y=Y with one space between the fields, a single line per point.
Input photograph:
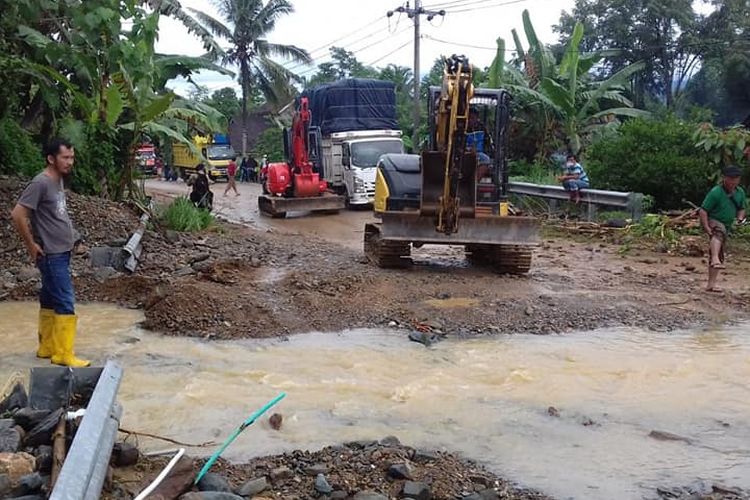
x=433 y=182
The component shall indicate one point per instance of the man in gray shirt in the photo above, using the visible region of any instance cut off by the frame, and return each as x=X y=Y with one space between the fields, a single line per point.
x=41 y=218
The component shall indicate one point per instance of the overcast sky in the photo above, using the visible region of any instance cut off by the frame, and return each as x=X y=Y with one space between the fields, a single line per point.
x=362 y=27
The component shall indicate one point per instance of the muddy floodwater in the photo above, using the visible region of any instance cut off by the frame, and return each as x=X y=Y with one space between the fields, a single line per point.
x=486 y=398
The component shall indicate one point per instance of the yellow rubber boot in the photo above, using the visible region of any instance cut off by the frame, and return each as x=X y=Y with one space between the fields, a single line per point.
x=46 y=329
x=63 y=339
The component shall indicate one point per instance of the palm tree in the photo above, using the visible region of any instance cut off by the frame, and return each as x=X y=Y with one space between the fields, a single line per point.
x=246 y=25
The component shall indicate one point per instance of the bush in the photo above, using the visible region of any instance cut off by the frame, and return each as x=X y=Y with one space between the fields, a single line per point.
x=19 y=154
x=181 y=215
x=657 y=158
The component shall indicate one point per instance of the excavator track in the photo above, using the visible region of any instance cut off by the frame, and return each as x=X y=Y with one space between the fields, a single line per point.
x=503 y=259
x=385 y=253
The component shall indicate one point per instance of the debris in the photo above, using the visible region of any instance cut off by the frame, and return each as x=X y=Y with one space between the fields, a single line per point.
x=322 y=486
x=668 y=436
x=416 y=491
x=253 y=487
x=275 y=421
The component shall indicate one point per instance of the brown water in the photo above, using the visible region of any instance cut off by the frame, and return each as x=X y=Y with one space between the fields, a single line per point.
x=486 y=398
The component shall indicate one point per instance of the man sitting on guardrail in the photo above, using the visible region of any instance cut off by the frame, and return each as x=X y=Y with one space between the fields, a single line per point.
x=723 y=205
x=574 y=178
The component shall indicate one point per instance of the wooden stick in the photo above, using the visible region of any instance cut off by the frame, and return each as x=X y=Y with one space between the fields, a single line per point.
x=58 y=451
x=168 y=440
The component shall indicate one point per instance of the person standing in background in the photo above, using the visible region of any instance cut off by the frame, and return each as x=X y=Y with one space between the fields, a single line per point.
x=41 y=218
x=232 y=177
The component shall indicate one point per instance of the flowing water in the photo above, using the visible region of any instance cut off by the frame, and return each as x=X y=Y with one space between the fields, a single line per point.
x=486 y=398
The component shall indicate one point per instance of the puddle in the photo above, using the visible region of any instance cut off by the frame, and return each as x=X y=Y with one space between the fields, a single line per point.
x=486 y=398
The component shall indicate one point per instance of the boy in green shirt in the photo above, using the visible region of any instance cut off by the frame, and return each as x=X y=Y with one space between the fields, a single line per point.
x=723 y=205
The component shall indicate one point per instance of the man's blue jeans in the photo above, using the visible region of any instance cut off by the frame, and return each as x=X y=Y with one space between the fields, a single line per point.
x=575 y=185
x=57 y=284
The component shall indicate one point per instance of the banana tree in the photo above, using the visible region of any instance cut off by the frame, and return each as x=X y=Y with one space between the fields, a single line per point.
x=562 y=96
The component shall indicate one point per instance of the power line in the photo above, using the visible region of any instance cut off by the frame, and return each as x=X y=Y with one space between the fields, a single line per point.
x=326 y=57
x=357 y=51
x=389 y=53
x=473 y=9
x=455 y=4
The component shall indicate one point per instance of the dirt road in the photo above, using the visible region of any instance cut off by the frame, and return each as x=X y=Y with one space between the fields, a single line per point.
x=345 y=229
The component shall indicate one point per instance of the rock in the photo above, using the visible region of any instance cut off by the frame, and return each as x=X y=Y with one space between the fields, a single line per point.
x=27 y=273
x=369 y=495
x=202 y=266
x=316 y=469
x=29 y=484
x=171 y=236
x=199 y=258
x=16 y=399
x=28 y=418
x=16 y=465
x=214 y=482
x=390 y=441
x=5 y=485
x=361 y=444
x=10 y=440
x=392 y=324
x=339 y=495
x=106 y=257
x=281 y=474
x=185 y=271
x=275 y=421
x=253 y=487
x=102 y=274
x=322 y=486
x=400 y=471
x=42 y=433
x=43 y=455
x=415 y=490
x=210 y=495
x=423 y=338
x=425 y=456
x=529 y=311
x=553 y=412
x=125 y=455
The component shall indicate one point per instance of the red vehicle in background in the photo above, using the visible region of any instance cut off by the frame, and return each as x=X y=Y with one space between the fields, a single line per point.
x=146 y=160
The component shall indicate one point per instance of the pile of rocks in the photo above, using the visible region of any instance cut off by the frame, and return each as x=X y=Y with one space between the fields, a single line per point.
x=363 y=470
x=25 y=446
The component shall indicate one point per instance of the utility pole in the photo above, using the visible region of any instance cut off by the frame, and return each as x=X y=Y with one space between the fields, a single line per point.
x=415 y=14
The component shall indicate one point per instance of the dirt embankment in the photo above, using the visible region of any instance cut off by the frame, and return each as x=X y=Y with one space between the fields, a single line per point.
x=233 y=281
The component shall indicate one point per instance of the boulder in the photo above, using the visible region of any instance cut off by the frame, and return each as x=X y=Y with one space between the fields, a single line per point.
x=42 y=432
x=253 y=487
x=16 y=465
x=322 y=486
x=29 y=485
x=417 y=491
x=10 y=440
x=16 y=399
x=124 y=455
x=214 y=482
x=5 y=485
x=43 y=456
x=28 y=418
x=400 y=471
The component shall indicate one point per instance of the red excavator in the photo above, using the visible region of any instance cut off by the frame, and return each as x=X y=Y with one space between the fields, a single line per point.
x=294 y=185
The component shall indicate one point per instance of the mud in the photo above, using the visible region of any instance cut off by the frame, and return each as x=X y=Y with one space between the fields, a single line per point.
x=234 y=281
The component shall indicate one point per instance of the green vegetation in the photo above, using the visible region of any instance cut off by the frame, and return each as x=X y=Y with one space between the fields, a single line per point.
x=181 y=215
x=653 y=157
x=18 y=153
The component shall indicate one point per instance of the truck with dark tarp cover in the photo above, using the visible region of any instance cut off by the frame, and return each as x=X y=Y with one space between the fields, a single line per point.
x=353 y=123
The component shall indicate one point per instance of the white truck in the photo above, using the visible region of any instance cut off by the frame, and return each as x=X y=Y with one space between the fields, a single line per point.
x=349 y=161
x=353 y=124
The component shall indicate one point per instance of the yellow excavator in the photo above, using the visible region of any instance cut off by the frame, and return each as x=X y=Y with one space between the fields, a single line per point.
x=455 y=192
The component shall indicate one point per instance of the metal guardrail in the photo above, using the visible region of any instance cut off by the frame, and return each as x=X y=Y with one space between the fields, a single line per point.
x=630 y=202
x=85 y=468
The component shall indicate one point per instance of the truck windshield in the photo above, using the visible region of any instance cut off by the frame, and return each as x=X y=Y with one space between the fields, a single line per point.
x=367 y=154
x=221 y=152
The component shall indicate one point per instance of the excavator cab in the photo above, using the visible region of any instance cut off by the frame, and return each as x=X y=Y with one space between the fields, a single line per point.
x=455 y=192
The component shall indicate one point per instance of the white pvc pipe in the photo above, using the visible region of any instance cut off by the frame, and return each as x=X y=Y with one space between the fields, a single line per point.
x=151 y=487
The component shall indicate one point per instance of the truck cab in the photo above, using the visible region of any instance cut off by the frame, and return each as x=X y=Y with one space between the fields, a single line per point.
x=360 y=152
